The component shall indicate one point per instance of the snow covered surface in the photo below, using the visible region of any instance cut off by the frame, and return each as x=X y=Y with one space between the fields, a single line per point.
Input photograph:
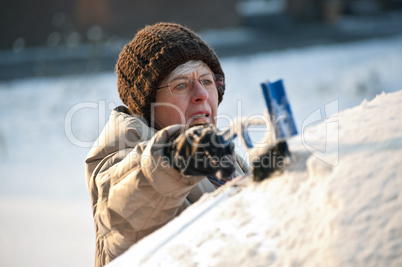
x=48 y=124
x=313 y=214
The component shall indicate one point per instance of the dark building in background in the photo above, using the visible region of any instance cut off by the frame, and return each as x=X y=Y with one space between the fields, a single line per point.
x=125 y=16
x=27 y=23
x=30 y=22
x=55 y=22
x=55 y=37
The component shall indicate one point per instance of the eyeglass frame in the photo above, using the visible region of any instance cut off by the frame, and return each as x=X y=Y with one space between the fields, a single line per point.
x=218 y=87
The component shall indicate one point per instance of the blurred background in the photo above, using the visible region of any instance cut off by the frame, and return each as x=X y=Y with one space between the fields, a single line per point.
x=57 y=88
x=53 y=37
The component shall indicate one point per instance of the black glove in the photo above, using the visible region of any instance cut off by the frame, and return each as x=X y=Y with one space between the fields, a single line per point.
x=275 y=159
x=200 y=150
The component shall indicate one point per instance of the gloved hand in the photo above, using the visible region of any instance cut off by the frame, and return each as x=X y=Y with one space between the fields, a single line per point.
x=200 y=150
x=275 y=159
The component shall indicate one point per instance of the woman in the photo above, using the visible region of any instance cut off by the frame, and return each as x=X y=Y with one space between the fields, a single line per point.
x=162 y=152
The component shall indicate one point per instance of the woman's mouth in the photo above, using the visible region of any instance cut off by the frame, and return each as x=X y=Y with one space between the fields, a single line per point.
x=199 y=118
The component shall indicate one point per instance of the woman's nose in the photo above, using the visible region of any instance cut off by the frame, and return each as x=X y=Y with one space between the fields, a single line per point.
x=199 y=93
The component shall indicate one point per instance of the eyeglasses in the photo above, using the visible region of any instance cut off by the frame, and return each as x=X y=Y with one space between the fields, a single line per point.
x=183 y=85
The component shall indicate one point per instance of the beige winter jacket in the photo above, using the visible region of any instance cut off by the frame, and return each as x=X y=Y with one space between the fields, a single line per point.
x=133 y=189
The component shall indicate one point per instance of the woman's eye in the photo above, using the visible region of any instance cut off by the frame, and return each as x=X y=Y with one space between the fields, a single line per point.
x=207 y=81
x=181 y=86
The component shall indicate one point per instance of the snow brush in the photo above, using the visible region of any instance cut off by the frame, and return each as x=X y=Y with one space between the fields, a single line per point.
x=271 y=154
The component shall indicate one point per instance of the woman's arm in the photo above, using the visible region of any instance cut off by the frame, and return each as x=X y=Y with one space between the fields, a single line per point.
x=134 y=192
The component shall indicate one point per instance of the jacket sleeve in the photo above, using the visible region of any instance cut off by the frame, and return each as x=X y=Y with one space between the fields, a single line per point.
x=134 y=192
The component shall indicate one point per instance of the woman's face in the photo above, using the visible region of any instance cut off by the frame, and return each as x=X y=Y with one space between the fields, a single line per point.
x=197 y=105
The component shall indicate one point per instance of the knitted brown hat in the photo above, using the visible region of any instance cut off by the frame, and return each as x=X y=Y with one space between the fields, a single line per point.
x=151 y=56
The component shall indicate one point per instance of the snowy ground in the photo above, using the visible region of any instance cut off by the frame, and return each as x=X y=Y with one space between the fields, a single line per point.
x=48 y=124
